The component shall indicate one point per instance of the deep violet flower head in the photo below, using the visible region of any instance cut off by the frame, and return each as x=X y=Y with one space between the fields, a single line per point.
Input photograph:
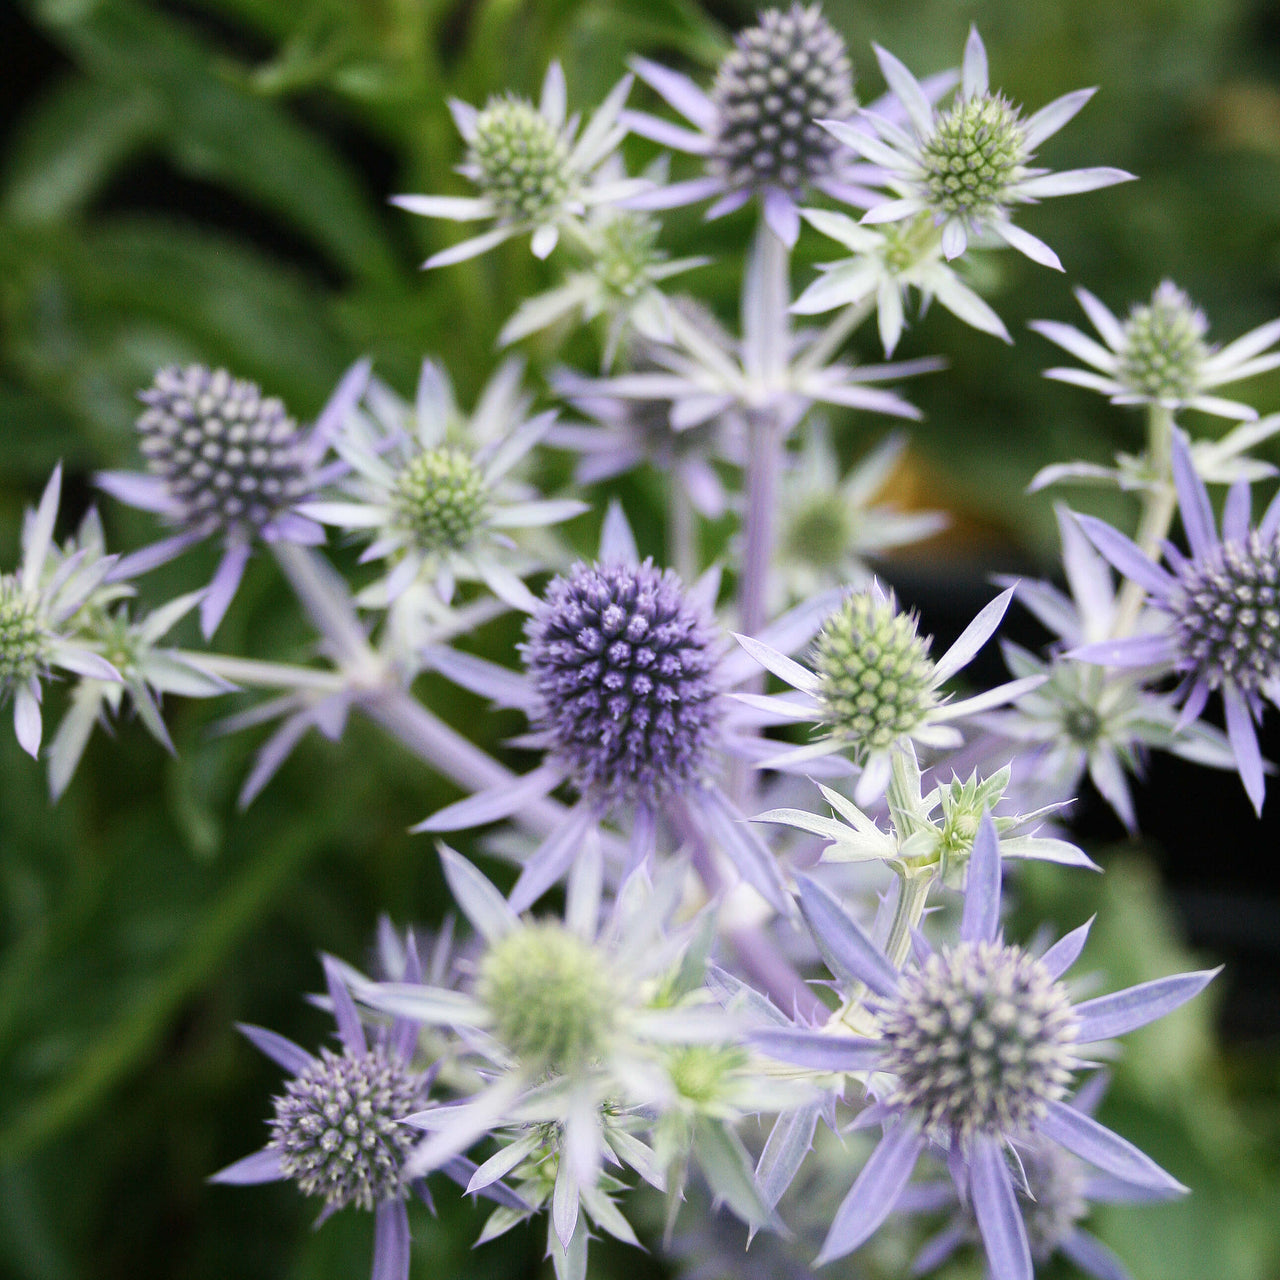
x=980 y=1041
x=623 y=665
x=1223 y=608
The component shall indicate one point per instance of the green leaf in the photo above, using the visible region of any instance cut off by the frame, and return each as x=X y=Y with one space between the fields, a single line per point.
x=80 y=133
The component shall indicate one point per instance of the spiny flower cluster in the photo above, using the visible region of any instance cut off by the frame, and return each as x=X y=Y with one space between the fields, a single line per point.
x=440 y=499
x=230 y=456
x=1227 y=620
x=972 y=156
x=520 y=159
x=784 y=75
x=1164 y=346
x=980 y=1039
x=551 y=1000
x=624 y=667
x=874 y=671
x=338 y=1131
x=22 y=643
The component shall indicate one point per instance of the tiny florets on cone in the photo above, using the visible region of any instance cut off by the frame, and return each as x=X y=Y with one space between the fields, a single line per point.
x=1227 y=620
x=786 y=73
x=551 y=997
x=228 y=454
x=981 y=1038
x=21 y=637
x=337 y=1127
x=875 y=672
x=520 y=160
x=1164 y=347
x=623 y=664
x=440 y=499
x=973 y=156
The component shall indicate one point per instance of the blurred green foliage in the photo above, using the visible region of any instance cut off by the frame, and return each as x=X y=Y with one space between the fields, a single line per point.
x=209 y=180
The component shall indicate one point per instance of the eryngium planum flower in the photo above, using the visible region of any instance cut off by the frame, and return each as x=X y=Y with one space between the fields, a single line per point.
x=38 y=608
x=225 y=460
x=979 y=1043
x=875 y=685
x=1158 y=354
x=757 y=130
x=966 y=165
x=1223 y=609
x=337 y=1131
x=622 y=663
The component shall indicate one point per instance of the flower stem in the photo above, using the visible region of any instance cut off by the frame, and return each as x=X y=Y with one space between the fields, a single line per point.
x=766 y=296
x=1158 y=506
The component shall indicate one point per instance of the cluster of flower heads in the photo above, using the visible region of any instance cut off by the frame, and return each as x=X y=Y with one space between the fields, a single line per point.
x=553 y=1063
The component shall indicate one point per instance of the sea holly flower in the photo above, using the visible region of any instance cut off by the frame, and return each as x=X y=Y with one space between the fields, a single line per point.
x=432 y=488
x=932 y=829
x=875 y=687
x=39 y=633
x=966 y=165
x=977 y=1043
x=1222 y=605
x=1084 y=718
x=757 y=130
x=625 y=685
x=887 y=263
x=535 y=172
x=1158 y=354
x=1054 y=1197
x=224 y=460
x=828 y=525
x=337 y=1132
x=568 y=1022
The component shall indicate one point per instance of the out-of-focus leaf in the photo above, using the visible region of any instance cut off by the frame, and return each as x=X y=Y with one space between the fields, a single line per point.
x=92 y=317
x=216 y=131
x=70 y=146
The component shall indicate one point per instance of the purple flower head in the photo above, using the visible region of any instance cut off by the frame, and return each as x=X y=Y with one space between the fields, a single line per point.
x=337 y=1129
x=336 y=1132
x=784 y=74
x=1223 y=607
x=980 y=1041
x=230 y=458
x=757 y=130
x=225 y=460
x=623 y=665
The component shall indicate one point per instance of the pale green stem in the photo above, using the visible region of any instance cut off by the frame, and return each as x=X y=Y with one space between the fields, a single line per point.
x=832 y=338
x=913 y=893
x=264 y=675
x=682 y=532
x=1158 y=507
